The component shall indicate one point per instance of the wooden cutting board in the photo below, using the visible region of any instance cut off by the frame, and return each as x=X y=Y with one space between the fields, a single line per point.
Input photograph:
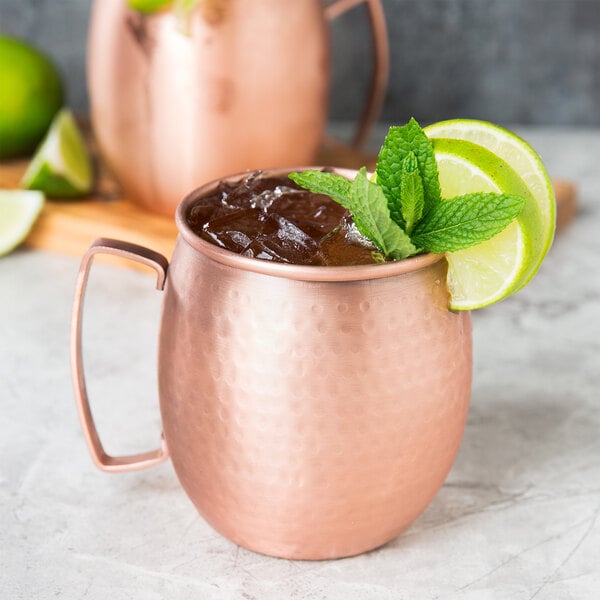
x=69 y=227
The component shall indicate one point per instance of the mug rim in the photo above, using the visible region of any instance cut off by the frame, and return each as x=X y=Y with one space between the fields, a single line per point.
x=288 y=270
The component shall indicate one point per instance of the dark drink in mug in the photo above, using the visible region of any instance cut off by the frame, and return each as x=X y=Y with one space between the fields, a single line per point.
x=271 y=218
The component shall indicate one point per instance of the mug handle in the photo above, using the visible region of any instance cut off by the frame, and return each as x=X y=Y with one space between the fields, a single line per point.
x=381 y=62
x=159 y=263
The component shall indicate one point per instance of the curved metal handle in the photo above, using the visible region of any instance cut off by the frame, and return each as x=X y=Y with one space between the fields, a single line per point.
x=101 y=458
x=381 y=63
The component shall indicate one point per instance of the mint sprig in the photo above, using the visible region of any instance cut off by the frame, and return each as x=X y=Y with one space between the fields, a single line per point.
x=403 y=212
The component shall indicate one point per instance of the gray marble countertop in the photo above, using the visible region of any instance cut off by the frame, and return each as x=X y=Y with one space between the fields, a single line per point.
x=518 y=517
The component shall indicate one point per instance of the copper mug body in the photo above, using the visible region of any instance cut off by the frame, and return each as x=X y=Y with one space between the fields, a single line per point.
x=245 y=87
x=309 y=412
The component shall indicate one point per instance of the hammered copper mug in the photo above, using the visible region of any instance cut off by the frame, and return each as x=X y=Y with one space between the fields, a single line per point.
x=245 y=87
x=310 y=412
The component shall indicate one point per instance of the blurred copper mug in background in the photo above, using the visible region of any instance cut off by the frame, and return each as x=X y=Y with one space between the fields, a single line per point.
x=246 y=87
x=310 y=412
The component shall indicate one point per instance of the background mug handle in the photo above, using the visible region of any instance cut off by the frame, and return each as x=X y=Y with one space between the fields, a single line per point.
x=159 y=263
x=380 y=61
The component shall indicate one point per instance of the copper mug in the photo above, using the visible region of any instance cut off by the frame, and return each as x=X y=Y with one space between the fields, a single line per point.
x=245 y=88
x=309 y=412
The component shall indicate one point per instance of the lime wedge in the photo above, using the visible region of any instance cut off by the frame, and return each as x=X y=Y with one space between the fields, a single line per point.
x=147 y=6
x=478 y=156
x=18 y=212
x=61 y=166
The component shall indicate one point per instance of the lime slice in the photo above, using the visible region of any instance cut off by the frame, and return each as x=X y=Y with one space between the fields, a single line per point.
x=61 y=167
x=18 y=212
x=478 y=156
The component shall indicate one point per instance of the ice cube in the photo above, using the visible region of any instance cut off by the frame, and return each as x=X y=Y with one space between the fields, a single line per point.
x=284 y=240
x=256 y=249
x=235 y=230
x=315 y=214
x=345 y=245
x=201 y=213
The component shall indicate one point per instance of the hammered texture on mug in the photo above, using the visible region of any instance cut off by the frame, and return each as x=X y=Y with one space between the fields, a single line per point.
x=311 y=419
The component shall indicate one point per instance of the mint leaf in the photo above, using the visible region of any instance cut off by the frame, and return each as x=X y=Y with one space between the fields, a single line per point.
x=464 y=221
x=371 y=214
x=412 y=200
x=321 y=182
x=397 y=144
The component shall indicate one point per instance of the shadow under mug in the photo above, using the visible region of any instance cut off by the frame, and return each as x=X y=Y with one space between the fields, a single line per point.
x=309 y=412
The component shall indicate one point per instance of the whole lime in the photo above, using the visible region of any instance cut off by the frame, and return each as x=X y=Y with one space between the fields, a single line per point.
x=31 y=94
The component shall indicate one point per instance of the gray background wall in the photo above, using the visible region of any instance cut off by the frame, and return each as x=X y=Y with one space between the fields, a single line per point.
x=510 y=61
